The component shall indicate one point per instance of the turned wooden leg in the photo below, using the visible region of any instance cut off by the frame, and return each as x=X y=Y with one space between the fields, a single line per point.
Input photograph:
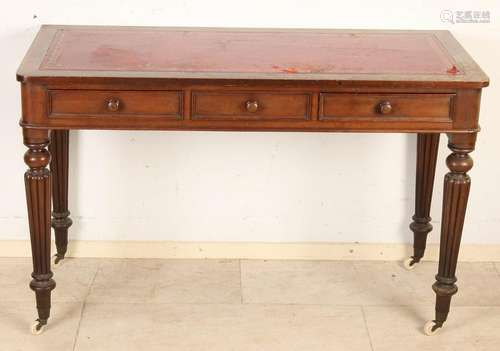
x=38 y=189
x=427 y=150
x=455 y=195
x=59 y=144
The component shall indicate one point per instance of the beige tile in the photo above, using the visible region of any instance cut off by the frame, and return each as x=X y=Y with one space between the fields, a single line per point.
x=131 y=280
x=479 y=285
x=15 y=275
x=167 y=281
x=59 y=335
x=199 y=281
x=361 y=283
x=497 y=266
x=400 y=328
x=333 y=282
x=73 y=278
x=300 y=282
x=211 y=327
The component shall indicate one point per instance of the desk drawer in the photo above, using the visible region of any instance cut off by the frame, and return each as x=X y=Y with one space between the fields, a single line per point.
x=250 y=106
x=167 y=104
x=408 y=107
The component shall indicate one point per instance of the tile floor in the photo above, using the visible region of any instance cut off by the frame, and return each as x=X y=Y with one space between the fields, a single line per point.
x=111 y=304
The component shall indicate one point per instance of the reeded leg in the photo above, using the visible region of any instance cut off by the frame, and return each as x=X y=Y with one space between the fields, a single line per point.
x=455 y=195
x=38 y=189
x=58 y=147
x=427 y=150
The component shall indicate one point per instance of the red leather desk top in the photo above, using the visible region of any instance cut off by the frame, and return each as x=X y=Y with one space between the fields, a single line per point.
x=246 y=51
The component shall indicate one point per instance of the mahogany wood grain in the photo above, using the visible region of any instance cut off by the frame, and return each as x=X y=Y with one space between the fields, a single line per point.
x=427 y=151
x=153 y=78
x=38 y=191
x=67 y=103
x=59 y=150
x=408 y=107
x=95 y=115
x=250 y=105
x=455 y=196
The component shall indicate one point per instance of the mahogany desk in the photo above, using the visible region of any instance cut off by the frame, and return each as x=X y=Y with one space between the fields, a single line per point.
x=78 y=77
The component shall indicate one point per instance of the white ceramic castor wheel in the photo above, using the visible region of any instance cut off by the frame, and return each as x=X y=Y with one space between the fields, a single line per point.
x=409 y=263
x=430 y=328
x=37 y=328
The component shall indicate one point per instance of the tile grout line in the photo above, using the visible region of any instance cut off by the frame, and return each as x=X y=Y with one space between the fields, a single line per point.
x=366 y=327
x=84 y=303
x=275 y=304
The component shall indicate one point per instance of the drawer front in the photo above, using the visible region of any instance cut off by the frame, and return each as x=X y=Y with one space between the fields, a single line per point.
x=408 y=107
x=250 y=106
x=166 y=104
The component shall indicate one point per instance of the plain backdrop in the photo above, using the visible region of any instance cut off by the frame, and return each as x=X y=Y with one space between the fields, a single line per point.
x=209 y=186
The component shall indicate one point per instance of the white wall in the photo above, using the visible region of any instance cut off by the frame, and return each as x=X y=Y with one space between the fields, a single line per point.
x=257 y=186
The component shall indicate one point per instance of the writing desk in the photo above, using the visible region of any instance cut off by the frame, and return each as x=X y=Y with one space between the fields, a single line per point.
x=141 y=78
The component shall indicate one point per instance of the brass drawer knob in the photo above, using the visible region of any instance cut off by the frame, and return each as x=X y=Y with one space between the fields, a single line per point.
x=385 y=107
x=113 y=105
x=252 y=105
